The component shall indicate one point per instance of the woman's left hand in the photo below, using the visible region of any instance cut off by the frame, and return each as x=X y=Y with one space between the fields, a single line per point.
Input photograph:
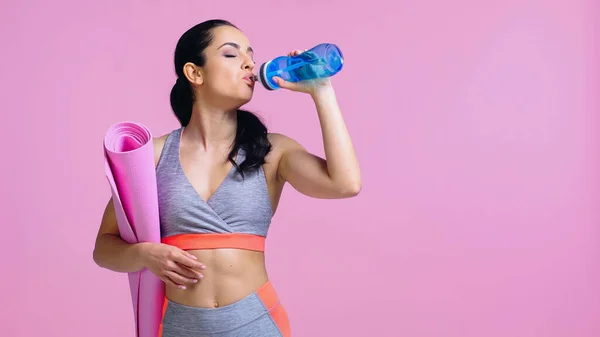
x=311 y=87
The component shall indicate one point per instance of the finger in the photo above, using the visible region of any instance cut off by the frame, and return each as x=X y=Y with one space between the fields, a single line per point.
x=188 y=254
x=284 y=84
x=170 y=282
x=187 y=261
x=186 y=272
x=180 y=280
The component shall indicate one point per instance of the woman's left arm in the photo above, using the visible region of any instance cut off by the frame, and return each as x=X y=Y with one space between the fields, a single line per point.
x=337 y=176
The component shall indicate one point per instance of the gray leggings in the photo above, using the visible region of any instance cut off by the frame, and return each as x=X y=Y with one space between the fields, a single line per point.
x=257 y=315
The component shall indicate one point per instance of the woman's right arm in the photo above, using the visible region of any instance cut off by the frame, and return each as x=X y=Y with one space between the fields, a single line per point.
x=111 y=251
x=172 y=265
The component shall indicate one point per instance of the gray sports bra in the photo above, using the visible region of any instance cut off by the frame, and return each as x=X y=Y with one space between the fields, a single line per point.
x=237 y=215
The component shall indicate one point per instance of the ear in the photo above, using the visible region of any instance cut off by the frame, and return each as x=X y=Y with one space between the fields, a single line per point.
x=193 y=73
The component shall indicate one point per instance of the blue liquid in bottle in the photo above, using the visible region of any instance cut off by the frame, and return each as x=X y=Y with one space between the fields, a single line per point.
x=321 y=61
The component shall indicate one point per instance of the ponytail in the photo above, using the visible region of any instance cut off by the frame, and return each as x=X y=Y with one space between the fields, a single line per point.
x=251 y=136
x=182 y=101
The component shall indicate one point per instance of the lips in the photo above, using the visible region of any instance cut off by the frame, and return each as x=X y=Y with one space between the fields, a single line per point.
x=249 y=79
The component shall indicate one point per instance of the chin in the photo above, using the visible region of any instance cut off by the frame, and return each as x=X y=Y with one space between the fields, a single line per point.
x=240 y=100
x=245 y=97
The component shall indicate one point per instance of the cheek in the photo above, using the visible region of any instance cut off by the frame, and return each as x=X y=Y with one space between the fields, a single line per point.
x=224 y=77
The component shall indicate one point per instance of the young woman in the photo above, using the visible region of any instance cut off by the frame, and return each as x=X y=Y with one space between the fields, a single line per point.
x=220 y=177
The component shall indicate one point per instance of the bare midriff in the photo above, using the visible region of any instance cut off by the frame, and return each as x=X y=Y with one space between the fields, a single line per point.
x=230 y=275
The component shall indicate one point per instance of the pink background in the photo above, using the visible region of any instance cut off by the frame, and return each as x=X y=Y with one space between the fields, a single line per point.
x=475 y=126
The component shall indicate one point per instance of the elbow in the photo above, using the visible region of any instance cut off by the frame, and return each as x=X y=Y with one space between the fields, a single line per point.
x=351 y=190
x=96 y=257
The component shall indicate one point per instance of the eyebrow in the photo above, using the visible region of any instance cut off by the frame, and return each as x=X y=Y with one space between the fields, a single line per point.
x=235 y=45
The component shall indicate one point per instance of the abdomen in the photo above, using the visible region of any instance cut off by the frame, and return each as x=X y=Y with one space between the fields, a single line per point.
x=230 y=275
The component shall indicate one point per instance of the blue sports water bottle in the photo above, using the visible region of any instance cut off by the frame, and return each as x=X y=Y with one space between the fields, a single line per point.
x=323 y=60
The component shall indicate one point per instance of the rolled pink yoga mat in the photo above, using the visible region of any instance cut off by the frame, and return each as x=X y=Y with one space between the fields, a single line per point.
x=129 y=163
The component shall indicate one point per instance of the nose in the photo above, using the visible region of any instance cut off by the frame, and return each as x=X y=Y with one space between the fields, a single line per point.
x=249 y=64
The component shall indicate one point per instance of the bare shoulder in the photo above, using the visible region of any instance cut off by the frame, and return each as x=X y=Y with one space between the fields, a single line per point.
x=159 y=144
x=282 y=143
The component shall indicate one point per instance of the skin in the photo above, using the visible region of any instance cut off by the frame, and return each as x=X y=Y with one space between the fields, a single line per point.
x=216 y=277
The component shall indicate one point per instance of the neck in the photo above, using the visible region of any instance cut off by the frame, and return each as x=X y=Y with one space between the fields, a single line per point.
x=212 y=128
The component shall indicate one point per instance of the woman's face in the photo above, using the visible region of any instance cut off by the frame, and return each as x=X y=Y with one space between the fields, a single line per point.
x=227 y=73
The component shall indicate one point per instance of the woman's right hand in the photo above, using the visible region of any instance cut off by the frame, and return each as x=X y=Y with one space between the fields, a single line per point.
x=172 y=265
